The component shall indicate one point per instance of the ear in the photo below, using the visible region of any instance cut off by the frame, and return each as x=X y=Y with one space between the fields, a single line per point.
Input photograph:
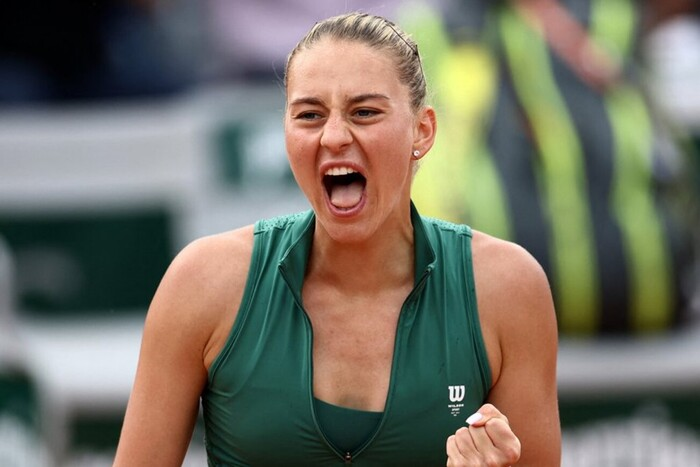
x=425 y=130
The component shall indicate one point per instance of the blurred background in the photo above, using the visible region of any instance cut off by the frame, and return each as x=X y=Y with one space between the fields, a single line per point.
x=130 y=127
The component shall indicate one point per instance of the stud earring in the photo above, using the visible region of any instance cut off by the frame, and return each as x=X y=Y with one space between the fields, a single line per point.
x=416 y=153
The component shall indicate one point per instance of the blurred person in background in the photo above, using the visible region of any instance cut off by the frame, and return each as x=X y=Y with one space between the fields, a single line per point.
x=672 y=55
x=553 y=143
x=358 y=331
x=249 y=39
x=54 y=51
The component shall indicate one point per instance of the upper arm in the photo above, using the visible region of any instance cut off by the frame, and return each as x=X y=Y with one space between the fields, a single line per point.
x=194 y=306
x=520 y=329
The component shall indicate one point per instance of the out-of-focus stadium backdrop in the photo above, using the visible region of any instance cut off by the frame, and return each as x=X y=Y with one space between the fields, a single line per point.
x=129 y=128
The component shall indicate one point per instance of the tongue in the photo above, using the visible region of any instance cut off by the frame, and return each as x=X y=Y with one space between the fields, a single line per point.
x=347 y=196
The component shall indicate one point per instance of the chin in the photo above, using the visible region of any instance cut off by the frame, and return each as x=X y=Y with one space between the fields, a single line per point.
x=344 y=230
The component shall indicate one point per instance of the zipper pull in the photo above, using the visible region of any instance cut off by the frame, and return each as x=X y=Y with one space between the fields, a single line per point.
x=348 y=458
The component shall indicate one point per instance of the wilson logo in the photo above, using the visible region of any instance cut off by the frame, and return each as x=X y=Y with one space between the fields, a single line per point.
x=456 y=397
x=456 y=393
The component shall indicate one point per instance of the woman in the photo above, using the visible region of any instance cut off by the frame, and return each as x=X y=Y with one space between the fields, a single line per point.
x=353 y=332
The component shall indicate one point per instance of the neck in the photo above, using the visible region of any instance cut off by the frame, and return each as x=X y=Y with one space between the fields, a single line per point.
x=375 y=264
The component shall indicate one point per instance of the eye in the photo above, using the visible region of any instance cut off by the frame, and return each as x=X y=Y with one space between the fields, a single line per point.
x=308 y=115
x=366 y=113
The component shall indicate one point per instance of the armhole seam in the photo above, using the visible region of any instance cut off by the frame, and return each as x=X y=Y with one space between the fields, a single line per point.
x=474 y=318
x=243 y=308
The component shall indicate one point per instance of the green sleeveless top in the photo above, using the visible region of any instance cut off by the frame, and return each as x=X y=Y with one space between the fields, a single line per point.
x=258 y=404
x=345 y=429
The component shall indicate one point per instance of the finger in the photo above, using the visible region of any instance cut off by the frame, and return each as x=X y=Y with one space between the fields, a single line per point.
x=479 y=436
x=476 y=419
x=485 y=413
x=461 y=450
x=464 y=442
x=481 y=440
x=503 y=439
x=455 y=456
x=505 y=451
x=452 y=450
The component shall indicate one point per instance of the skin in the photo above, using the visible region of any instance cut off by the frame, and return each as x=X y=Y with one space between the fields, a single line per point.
x=572 y=42
x=337 y=116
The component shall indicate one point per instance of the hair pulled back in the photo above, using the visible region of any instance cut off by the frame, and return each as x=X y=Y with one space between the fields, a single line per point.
x=378 y=33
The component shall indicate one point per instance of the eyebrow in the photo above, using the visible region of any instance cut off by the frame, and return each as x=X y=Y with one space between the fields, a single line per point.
x=368 y=96
x=353 y=100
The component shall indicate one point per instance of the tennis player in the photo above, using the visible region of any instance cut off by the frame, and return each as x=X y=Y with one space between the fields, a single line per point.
x=360 y=331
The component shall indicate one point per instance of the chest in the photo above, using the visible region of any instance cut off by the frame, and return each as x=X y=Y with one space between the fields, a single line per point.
x=432 y=367
x=354 y=338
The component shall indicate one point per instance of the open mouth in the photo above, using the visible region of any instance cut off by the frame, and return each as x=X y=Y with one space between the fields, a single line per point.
x=344 y=186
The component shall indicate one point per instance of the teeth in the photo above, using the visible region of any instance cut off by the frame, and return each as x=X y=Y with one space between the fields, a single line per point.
x=335 y=171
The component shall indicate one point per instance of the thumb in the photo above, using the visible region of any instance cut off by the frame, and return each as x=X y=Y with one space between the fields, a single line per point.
x=476 y=419
x=484 y=414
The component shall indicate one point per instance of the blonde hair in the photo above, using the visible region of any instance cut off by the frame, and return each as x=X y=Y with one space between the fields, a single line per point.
x=376 y=32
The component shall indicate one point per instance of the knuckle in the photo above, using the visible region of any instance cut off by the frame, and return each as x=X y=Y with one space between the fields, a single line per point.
x=512 y=452
x=505 y=419
x=487 y=407
x=498 y=424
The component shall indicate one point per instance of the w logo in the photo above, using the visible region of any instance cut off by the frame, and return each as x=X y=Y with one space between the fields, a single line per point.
x=456 y=393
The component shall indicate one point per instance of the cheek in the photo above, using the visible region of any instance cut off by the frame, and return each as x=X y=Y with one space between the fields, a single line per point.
x=396 y=161
x=396 y=147
x=294 y=145
x=300 y=157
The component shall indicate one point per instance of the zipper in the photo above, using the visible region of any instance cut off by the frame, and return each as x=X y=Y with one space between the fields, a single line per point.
x=348 y=456
x=418 y=287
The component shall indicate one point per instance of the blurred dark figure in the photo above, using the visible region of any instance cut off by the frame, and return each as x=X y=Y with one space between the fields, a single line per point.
x=52 y=50
x=661 y=11
x=552 y=141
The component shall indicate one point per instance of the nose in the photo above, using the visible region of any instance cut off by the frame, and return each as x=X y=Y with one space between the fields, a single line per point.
x=336 y=134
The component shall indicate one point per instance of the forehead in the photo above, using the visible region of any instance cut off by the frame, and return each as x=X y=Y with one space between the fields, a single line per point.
x=352 y=65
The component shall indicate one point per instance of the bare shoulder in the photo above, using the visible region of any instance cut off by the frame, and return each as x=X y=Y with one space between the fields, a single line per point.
x=514 y=300
x=502 y=266
x=210 y=261
x=519 y=325
x=202 y=289
x=190 y=315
